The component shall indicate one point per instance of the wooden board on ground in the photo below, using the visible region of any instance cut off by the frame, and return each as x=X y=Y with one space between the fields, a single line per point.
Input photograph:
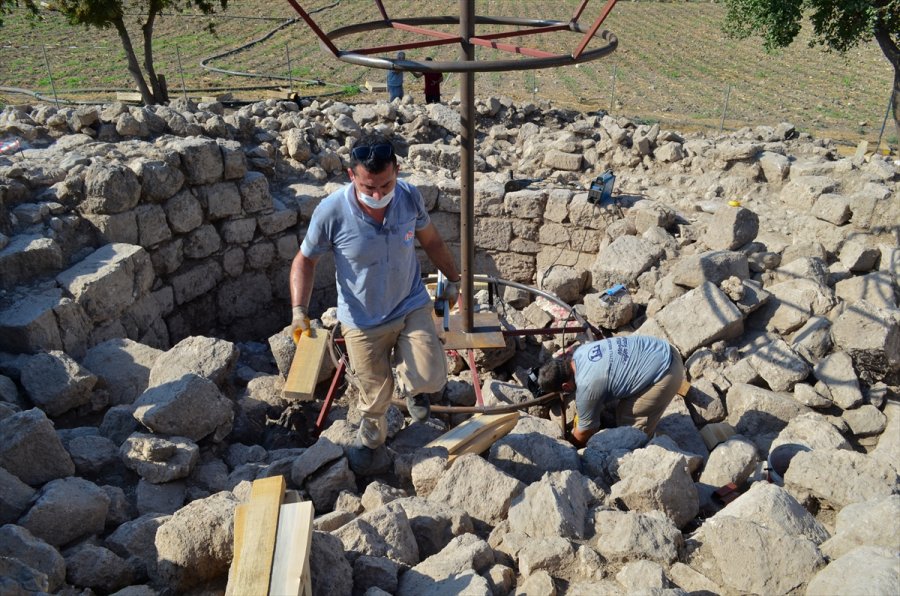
x=129 y=96
x=304 y=373
x=259 y=527
x=290 y=567
x=373 y=86
x=476 y=434
x=486 y=332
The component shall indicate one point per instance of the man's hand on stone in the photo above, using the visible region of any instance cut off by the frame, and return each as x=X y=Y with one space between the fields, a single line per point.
x=451 y=293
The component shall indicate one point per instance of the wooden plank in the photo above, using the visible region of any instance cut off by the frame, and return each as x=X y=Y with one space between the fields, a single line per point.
x=373 y=86
x=475 y=432
x=290 y=567
x=240 y=517
x=486 y=332
x=683 y=390
x=482 y=441
x=304 y=372
x=130 y=96
x=260 y=525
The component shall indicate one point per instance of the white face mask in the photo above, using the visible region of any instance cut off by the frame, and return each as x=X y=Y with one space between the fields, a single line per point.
x=374 y=203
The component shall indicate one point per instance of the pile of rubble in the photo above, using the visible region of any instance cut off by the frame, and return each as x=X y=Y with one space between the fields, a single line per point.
x=128 y=433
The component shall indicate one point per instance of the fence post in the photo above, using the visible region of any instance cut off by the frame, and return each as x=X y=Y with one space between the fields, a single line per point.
x=181 y=72
x=884 y=123
x=50 y=74
x=725 y=108
x=287 y=50
x=612 y=99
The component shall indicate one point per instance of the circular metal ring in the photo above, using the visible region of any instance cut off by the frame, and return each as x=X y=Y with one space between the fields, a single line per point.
x=475 y=65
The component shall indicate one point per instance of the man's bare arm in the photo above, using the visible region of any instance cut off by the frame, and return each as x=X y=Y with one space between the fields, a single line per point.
x=303 y=271
x=436 y=249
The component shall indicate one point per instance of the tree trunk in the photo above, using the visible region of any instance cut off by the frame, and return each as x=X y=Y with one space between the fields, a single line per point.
x=892 y=53
x=133 y=66
x=147 y=29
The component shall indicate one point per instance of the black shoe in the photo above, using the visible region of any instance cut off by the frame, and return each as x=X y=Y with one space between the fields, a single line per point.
x=419 y=407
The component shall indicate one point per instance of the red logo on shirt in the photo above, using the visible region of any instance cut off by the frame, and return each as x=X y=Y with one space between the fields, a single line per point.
x=409 y=236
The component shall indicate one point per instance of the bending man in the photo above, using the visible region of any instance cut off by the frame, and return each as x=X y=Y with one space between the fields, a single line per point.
x=370 y=226
x=637 y=375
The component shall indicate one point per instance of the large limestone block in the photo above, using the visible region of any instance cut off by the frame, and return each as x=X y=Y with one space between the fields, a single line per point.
x=434 y=524
x=771 y=506
x=109 y=280
x=836 y=372
x=700 y=317
x=864 y=570
x=801 y=192
x=190 y=406
x=656 y=479
x=869 y=523
x=208 y=357
x=779 y=366
x=123 y=368
x=159 y=179
x=731 y=461
x=557 y=505
x=760 y=414
x=110 y=188
x=527 y=456
x=871 y=336
x=19 y=543
x=381 y=533
x=712 y=266
x=623 y=261
x=730 y=228
x=31 y=450
x=877 y=288
x=159 y=459
x=792 y=303
x=838 y=477
x=630 y=536
x=788 y=562
x=29 y=325
x=67 y=509
x=442 y=573
x=201 y=159
x=27 y=257
x=56 y=383
x=471 y=475
x=195 y=545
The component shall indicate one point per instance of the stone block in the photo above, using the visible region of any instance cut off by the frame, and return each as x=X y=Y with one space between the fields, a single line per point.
x=714 y=267
x=184 y=212
x=700 y=317
x=730 y=228
x=201 y=159
x=27 y=257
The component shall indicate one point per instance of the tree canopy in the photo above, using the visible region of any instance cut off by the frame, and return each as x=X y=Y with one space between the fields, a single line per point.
x=104 y=14
x=838 y=25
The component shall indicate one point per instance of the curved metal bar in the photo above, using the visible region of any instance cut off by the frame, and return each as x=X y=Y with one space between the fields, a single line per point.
x=465 y=66
x=538 y=401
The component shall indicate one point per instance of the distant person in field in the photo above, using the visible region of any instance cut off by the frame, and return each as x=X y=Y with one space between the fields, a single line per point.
x=395 y=80
x=433 y=82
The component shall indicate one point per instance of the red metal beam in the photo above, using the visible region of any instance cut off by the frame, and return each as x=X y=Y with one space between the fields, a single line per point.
x=532 y=31
x=405 y=46
x=580 y=10
x=587 y=36
x=477 y=41
x=312 y=25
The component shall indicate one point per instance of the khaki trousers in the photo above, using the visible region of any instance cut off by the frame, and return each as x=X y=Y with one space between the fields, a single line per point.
x=411 y=344
x=644 y=410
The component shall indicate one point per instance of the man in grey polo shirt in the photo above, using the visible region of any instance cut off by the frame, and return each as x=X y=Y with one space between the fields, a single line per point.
x=370 y=226
x=636 y=375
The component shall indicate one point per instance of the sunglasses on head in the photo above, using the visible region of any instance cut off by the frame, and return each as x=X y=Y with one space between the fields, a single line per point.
x=382 y=151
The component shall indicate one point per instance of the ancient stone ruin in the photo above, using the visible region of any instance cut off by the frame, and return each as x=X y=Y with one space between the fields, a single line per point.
x=143 y=299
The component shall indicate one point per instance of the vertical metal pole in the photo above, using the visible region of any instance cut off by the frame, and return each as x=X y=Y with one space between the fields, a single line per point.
x=467 y=166
x=50 y=74
x=883 y=124
x=612 y=99
x=287 y=50
x=181 y=72
x=725 y=108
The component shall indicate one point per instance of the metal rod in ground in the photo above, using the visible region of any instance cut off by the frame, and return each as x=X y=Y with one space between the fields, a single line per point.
x=50 y=74
x=612 y=99
x=287 y=51
x=725 y=108
x=467 y=167
x=181 y=72
x=884 y=123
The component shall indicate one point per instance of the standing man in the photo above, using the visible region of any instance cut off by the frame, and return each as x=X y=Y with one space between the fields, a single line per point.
x=395 y=81
x=370 y=226
x=433 y=82
x=637 y=375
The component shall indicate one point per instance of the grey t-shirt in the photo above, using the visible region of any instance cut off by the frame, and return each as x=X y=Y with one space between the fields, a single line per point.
x=617 y=368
